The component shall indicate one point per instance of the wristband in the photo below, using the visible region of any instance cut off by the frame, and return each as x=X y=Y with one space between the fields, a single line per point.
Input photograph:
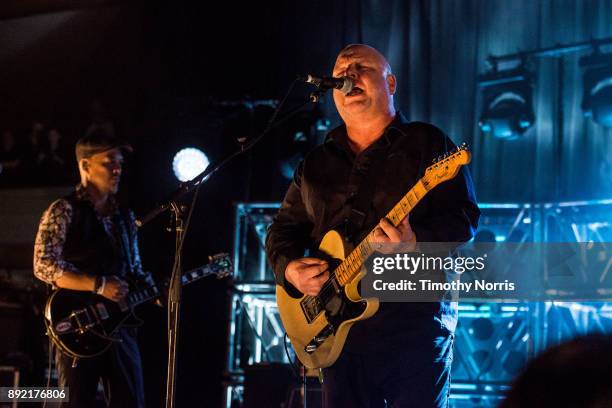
x=99 y=285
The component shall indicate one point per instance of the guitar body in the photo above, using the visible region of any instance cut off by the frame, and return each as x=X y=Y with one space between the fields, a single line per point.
x=334 y=322
x=84 y=324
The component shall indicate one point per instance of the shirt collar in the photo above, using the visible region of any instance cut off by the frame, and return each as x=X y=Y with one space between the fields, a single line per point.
x=82 y=194
x=393 y=130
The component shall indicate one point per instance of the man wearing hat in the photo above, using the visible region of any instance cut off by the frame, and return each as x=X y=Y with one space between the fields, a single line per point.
x=86 y=241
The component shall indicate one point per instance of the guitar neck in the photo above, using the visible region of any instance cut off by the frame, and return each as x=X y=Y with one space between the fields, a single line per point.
x=144 y=295
x=352 y=264
x=139 y=297
x=196 y=274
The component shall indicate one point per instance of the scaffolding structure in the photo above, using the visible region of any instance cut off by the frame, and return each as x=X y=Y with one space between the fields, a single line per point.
x=493 y=341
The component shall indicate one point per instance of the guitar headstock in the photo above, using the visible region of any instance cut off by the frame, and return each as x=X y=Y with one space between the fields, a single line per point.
x=220 y=265
x=446 y=167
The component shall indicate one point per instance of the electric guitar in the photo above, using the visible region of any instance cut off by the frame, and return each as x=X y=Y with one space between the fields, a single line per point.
x=85 y=325
x=318 y=325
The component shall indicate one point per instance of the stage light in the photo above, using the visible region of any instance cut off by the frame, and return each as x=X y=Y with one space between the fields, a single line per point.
x=597 y=91
x=507 y=103
x=188 y=163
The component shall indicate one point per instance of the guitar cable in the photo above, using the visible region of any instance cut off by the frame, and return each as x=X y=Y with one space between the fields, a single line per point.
x=296 y=369
x=294 y=366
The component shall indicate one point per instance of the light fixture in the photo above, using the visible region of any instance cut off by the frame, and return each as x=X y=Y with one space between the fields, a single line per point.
x=597 y=91
x=507 y=103
x=188 y=163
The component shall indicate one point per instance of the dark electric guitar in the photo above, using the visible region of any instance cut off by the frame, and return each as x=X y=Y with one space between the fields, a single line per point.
x=318 y=325
x=85 y=325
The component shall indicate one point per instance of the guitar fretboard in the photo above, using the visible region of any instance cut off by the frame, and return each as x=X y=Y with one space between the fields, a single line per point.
x=352 y=264
x=143 y=295
x=196 y=274
x=138 y=297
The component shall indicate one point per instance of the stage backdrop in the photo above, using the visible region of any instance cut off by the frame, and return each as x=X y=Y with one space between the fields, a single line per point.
x=438 y=47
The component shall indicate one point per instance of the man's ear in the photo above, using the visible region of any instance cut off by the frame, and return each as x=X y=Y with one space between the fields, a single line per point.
x=84 y=165
x=391 y=82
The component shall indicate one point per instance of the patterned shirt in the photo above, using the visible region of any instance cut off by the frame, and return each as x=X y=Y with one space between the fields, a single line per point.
x=49 y=264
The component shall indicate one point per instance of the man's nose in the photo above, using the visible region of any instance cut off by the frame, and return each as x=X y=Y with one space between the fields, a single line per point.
x=351 y=72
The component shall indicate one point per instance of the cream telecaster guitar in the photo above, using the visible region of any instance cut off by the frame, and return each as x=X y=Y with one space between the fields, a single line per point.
x=318 y=325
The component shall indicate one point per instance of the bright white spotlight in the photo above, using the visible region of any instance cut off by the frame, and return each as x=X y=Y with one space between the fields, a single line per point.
x=188 y=163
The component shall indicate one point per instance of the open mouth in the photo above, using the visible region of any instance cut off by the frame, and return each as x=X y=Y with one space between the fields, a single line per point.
x=355 y=91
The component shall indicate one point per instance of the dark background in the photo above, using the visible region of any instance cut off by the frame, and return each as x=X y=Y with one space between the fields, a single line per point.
x=173 y=74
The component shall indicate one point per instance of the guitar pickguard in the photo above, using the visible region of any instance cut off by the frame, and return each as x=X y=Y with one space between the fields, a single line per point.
x=311 y=307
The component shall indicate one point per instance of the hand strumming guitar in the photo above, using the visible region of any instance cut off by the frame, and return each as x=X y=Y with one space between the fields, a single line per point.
x=307 y=274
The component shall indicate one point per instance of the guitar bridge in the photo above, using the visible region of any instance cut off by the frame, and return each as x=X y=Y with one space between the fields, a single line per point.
x=319 y=339
x=82 y=319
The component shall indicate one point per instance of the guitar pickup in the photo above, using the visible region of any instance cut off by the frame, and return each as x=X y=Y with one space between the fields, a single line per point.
x=311 y=307
x=319 y=339
x=101 y=311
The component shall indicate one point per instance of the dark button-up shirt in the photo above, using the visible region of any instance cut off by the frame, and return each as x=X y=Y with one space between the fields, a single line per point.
x=325 y=185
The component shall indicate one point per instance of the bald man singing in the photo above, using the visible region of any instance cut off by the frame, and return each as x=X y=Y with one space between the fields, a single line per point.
x=400 y=357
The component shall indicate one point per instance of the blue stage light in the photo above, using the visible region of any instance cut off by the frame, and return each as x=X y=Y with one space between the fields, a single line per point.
x=597 y=92
x=188 y=163
x=507 y=103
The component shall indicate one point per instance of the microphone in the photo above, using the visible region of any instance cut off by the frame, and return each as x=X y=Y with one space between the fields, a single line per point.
x=344 y=84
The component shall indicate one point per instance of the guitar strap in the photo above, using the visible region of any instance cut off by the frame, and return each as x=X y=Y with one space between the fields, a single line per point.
x=361 y=203
x=121 y=223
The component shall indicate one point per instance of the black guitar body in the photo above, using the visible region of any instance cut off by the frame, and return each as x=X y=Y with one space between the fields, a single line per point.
x=84 y=324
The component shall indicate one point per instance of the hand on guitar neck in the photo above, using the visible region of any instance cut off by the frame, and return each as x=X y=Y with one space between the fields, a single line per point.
x=115 y=288
x=309 y=274
x=387 y=233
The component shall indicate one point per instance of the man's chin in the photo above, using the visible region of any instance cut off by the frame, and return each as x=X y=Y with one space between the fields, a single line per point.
x=355 y=107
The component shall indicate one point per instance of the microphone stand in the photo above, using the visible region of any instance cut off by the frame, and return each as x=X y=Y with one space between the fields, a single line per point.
x=174 y=303
x=181 y=226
